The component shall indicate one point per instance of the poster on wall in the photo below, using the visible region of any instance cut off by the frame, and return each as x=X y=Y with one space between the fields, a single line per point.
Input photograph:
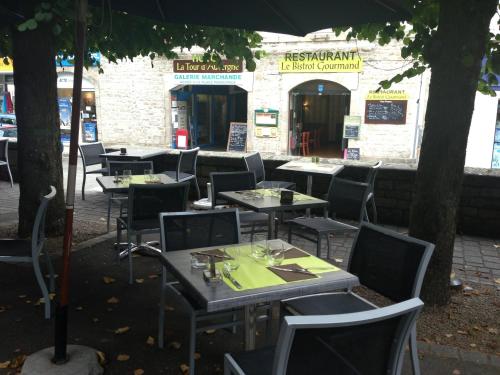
x=351 y=127
x=495 y=159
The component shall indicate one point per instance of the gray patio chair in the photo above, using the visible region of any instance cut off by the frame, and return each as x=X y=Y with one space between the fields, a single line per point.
x=234 y=181
x=255 y=164
x=385 y=261
x=370 y=342
x=186 y=168
x=190 y=230
x=29 y=250
x=370 y=180
x=4 y=158
x=113 y=167
x=145 y=202
x=90 y=156
x=347 y=200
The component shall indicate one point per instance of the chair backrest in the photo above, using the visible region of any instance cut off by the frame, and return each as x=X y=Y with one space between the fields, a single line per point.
x=255 y=164
x=388 y=262
x=191 y=230
x=187 y=162
x=347 y=199
x=145 y=202
x=4 y=150
x=369 y=342
x=38 y=233
x=230 y=181
x=90 y=153
x=137 y=167
x=372 y=174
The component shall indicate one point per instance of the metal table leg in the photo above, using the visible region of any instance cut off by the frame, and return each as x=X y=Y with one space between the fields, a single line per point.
x=309 y=191
x=250 y=327
x=271 y=225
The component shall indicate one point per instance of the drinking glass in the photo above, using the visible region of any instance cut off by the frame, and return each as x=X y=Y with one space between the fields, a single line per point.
x=127 y=175
x=231 y=255
x=259 y=249
x=148 y=175
x=199 y=261
x=275 y=253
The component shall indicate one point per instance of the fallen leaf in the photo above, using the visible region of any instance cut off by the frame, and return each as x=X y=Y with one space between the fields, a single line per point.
x=113 y=300
x=462 y=332
x=150 y=340
x=155 y=276
x=456 y=372
x=472 y=345
x=496 y=246
x=95 y=320
x=138 y=371
x=338 y=260
x=169 y=308
x=197 y=356
x=493 y=331
x=121 y=330
x=18 y=361
x=52 y=296
x=210 y=331
x=448 y=335
x=122 y=357
x=101 y=358
x=174 y=345
x=108 y=280
x=2 y=309
x=4 y=364
x=184 y=368
x=22 y=296
x=497 y=280
x=139 y=281
x=79 y=308
x=28 y=301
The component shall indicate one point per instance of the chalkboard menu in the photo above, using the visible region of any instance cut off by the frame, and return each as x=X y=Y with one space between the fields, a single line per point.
x=351 y=131
x=385 y=112
x=237 y=139
x=352 y=154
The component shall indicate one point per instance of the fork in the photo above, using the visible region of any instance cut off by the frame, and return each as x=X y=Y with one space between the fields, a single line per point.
x=227 y=274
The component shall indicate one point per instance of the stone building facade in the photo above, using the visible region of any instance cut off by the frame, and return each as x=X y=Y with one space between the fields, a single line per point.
x=136 y=102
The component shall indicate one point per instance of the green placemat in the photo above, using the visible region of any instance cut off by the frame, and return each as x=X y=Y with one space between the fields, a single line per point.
x=296 y=196
x=252 y=273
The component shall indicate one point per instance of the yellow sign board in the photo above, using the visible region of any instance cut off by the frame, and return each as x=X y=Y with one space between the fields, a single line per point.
x=6 y=67
x=321 y=62
x=387 y=95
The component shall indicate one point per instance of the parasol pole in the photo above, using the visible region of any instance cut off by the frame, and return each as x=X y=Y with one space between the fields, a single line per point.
x=61 y=317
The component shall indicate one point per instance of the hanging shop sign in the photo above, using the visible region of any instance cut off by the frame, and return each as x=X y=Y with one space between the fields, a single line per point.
x=193 y=66
x=243 y=80
x=321 y=62
x=351 y=127
x=387 y=95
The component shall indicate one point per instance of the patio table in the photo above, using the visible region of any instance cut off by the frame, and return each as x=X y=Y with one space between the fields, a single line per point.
x=133 y=154
x=259 y=283
x=268 y=201
x=109 y=185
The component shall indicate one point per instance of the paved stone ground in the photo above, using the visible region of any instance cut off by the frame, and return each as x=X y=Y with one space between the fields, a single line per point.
x=476 y=259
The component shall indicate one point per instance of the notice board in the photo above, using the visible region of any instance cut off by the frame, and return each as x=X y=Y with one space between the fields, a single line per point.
x=237 y=138
x=385 y=112
x=352 y=154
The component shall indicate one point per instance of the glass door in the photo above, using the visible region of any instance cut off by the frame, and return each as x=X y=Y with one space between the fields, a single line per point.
x=203 y=120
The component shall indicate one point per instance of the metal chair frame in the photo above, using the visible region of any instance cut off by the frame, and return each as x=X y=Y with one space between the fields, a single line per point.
x=36 y=243
x=408 y=310
x=4 y=159
x=427 y=250
x=370 y=180
x=89 y=159
x=190 y=170
x=254 y=163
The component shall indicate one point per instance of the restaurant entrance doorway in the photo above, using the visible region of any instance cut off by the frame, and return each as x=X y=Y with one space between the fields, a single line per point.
x=317 y=110
x=206 y=112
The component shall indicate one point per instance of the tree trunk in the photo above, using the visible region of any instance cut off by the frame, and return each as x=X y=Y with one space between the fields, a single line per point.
x=39 y=148
x=455 y=58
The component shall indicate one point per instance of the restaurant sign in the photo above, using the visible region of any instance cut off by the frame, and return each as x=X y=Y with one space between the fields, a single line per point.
x=387 y=95
x=193 y=66
x=321 y=62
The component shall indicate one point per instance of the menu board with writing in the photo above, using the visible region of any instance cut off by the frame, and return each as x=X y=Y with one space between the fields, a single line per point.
x=385 y=112
x=237 y=139
x=352 y=154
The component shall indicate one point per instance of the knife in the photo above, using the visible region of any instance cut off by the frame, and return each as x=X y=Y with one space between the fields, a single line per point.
x=297 y=270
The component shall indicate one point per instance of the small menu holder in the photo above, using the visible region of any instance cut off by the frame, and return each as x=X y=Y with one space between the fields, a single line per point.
x=286 y=197
x=123 y=151
x=212 y=276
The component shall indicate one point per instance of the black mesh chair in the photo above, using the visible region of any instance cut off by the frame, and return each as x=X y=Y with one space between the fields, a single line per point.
x=117 y=167
x=186 y=168
x=189 y=230
x=234 y=181
x=4 y=158
x=29 y=251
x=145 y=202
x=347 y=200
x=370 y=342
x=255 y=164
x=90 y=156
x=385 y=261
